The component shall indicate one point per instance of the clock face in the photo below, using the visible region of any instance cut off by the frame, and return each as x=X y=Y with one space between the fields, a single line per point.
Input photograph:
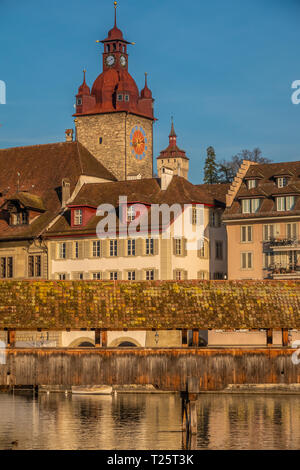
x=123 y=60
x=110 y=60
x=138 y=142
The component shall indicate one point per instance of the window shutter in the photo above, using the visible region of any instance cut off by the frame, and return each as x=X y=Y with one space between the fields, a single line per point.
x=184 y=247
x=185 y=275
x=68 y=276
x=119 y=275
x=140 y=246
x=87 y=249
x=53 y=251
x=122 y=247
x=44 y=259
x=277 y=229
x=156 y=274
x=80 y=250
x=156 y=246
x=87 y=275
x=174 y=246
x=69 y=246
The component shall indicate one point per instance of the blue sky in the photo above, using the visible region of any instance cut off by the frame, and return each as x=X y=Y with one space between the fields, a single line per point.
x=223 y=69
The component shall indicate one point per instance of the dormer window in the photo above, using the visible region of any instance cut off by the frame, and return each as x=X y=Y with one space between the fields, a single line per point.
x=250 y=205
x=126 y=97
x=78 y=217
x=285 y=203
x=282 y=181
x=19 y=218
x=120 y=97
x=79 y=101
x=252 y=183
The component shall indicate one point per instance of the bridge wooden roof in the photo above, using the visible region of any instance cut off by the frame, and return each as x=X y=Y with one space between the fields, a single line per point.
x=149 y=305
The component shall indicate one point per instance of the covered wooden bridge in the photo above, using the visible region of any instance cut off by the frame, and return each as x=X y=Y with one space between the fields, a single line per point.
x=187 y=305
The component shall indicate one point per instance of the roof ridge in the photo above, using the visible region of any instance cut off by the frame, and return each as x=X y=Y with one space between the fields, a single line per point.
x=36 y=145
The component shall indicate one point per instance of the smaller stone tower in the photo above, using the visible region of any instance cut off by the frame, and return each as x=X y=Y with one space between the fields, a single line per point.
x=173 y=157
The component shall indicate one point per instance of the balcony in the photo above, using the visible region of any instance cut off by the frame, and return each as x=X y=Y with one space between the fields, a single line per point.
x=281 y=244
x=278 y=271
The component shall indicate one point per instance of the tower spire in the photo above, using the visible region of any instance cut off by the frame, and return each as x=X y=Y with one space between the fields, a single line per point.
x=172 y=135
x=115 y=5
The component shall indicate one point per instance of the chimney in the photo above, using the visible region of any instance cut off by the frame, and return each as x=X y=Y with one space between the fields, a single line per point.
x=65 y=192
x=69 y=135
x=166 y=178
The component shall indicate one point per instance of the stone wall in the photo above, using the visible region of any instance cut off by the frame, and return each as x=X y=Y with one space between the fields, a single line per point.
x=114 y=151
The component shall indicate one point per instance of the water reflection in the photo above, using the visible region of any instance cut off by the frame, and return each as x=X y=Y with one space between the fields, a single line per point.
x=143 y=421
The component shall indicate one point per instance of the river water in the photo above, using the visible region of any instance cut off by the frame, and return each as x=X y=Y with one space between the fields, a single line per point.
x=145 y=421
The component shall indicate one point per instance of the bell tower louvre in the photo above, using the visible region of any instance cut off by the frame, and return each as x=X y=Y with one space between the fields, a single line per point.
x=113 y=120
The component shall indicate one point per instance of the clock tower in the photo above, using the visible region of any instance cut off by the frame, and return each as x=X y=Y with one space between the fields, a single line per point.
x=113 y=120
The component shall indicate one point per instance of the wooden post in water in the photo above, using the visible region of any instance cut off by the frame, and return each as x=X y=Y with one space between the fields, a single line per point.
x=189 y=411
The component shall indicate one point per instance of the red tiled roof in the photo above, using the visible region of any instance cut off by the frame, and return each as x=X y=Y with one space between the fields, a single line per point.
x=42 y=168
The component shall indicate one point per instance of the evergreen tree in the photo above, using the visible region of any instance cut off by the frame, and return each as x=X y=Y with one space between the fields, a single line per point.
x=211 y=167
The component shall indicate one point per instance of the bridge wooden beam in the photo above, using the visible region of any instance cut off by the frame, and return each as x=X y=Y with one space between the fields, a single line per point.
x=285 y=337
x=11 y=338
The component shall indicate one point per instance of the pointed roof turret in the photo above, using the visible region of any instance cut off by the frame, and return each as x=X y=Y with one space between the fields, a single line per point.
x=84 y=89
x=146 y=92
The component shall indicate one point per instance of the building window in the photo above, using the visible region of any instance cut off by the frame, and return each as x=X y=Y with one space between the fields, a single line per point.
x=6 y=267
x=252 y=184
x=246 y=260
x=34 y=266
x=194 y=215
x=150 y=275
x=97 y=276
x=113 y=248
x=250 y=205
x=78 y=276
x=203 y=250
x=268 y=232
x=113 y=275
x=268 y=260
x=131 y=275
x=285 y=203
x=149 y=246
x=62 y=277
x=219 y=250
x=215 y=219
x=131 y=247
x=97 y=249
x=120 y=97
x=178 y=246
x=62 y=250
x=79 y=101
x=218 y=276
x=131 y=213
x=202 y=275
x=246 y=233
x=77 y=216
x=291 y=231
x=100 y=140
x=281 y=182
x=126 y=97
x=178 y=275
x=19 y=218
x=77 y=250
